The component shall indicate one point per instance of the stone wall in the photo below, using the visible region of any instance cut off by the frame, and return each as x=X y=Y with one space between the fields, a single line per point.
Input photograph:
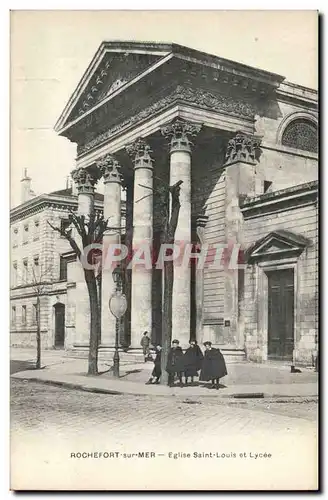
x=302 y=221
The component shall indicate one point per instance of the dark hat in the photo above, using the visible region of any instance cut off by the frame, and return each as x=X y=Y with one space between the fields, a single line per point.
x=207 y=342
x=192 y=340
x=175 y=341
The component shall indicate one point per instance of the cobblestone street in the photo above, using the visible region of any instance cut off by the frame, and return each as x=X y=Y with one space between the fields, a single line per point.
x=53 y=422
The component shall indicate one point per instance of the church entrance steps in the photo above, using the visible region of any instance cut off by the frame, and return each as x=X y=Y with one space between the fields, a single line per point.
x=136 y=355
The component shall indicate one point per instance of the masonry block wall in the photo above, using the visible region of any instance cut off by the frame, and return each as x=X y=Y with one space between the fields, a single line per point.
x=27 y=238
x=302 y=221
x=38 y=245
x=208 y=186
x=282 y=165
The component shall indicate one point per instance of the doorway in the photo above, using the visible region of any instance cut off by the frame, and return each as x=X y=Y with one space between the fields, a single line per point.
x=59 y=325
x=281 y=314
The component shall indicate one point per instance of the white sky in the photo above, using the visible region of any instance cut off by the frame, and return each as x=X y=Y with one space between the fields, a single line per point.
x=50 y=51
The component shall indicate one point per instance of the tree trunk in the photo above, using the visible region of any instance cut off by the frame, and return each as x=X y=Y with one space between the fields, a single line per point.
x=99 y=285
x=169 y=237
x=91 y=282
x=166 y=318
x=38 y=334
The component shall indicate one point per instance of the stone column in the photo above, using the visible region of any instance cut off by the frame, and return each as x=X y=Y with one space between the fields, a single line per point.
x=141 y=287
x=109 y=169
x=180 y=134
x=85 y=180
x=242 y=154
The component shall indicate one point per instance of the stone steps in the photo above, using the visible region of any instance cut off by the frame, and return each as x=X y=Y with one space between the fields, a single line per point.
x=136 y=356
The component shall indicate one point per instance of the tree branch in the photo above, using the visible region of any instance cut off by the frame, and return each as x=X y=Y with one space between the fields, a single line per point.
x=67 y=235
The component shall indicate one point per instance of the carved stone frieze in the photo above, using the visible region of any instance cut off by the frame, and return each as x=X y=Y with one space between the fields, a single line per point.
x=243 y=147
x=109 y=169
x=199 y=97
x=180 y=132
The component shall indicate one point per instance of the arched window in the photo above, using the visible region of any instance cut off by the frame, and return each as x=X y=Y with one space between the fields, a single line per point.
x=301 y=134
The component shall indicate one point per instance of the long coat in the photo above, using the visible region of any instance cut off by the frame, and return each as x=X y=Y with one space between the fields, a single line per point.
x=192 y=361
x=174 y=360
x=145 y=341
x=157 y=371
x=213 y=365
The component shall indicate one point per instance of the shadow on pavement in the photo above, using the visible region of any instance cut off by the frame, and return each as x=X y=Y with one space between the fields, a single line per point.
x=20 y=366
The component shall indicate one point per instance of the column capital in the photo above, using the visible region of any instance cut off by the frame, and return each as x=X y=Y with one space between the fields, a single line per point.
x=109 y=169
x=140 y=151
x=86 y=179
x=244 y=148
x=180 y=132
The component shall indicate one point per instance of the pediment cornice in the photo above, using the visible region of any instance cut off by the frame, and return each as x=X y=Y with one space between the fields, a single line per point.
x=277 y=244
x=201 y=98
x=117 y=66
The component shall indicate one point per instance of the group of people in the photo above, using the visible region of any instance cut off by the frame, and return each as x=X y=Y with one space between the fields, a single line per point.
x=211 y=364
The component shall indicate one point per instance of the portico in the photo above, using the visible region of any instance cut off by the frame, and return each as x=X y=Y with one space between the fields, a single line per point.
x=147 y=115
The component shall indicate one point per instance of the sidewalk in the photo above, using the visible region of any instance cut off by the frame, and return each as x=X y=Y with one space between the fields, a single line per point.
x=243 y=379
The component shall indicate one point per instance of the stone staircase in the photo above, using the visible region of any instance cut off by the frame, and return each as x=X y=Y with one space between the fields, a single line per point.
x=136 y=356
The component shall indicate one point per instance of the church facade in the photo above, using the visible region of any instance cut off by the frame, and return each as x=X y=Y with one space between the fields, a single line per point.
x=244 y=143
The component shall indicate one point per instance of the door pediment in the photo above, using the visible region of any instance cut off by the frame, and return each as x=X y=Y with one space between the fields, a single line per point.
x=277 y=244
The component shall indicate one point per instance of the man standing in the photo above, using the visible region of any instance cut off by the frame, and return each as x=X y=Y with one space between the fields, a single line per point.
x=214 y=366
x=192 y=361
x=175 y=363
x=145 y=343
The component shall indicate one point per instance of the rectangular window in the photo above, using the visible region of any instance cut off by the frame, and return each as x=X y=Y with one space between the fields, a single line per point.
x=36 y=268
x=25 y=234
x=36 y=232
x=14 y=275
x=23 y=315
x=25 y=271
x=63 y=268
x=34 y=314
x=13 y=315
x=64 y=224
x=267 y=186
x=15 y=237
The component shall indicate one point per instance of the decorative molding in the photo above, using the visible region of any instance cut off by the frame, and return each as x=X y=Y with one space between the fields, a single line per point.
x=140 y=151
x=197 y=97
x=277 y=244
x=109 y=169
x=180 y=132
x=279 y=201
x=86 y=179
x=243 y=148
x=201 y=222
x=109 y=77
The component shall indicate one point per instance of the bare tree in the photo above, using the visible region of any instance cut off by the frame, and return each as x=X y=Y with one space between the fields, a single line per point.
x=38 y=280
x=170 y=223
x=169 y=197
x=91 y=230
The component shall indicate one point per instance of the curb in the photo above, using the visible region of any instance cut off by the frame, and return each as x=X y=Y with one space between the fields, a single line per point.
x=98 y=390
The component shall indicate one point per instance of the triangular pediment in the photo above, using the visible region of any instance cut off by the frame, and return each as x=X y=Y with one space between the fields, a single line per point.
x=118 y=66
x=277 y=244
x=114 y=65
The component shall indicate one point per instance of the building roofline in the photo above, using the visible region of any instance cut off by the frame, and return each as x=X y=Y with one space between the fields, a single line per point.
x=21 y=210
x=166 y=50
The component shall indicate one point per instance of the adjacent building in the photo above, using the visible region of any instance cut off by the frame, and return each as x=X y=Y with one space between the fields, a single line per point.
x=40 y=260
